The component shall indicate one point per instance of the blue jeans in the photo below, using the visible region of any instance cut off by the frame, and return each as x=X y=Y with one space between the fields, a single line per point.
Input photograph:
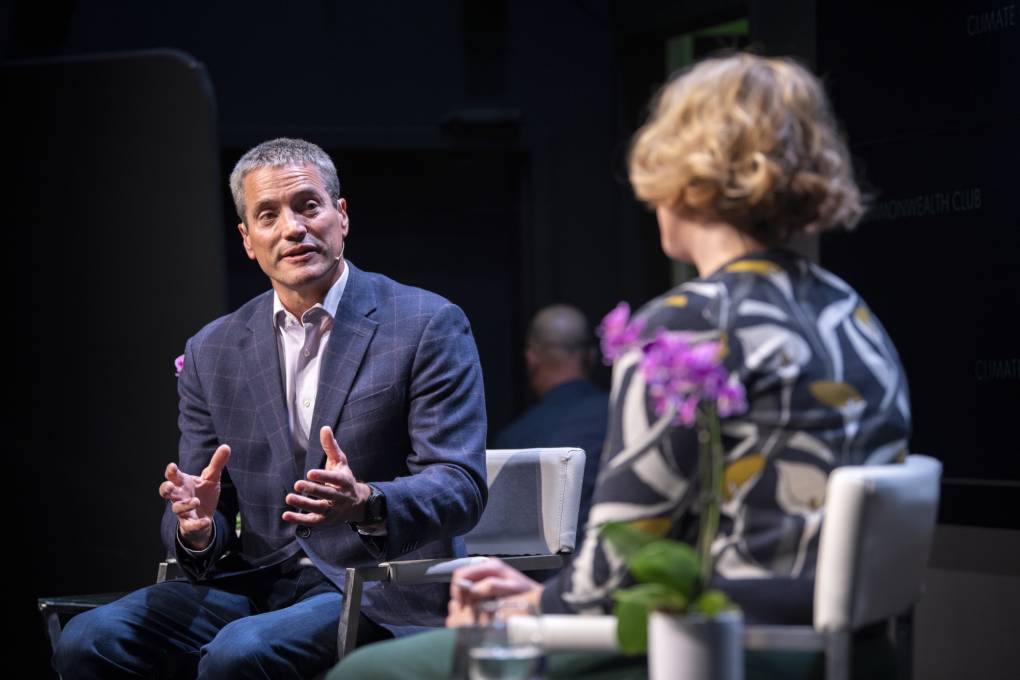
x=278 y=624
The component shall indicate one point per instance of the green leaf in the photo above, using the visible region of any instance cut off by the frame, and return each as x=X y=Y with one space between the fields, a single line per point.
x=652 y=596
x=670 y=563
x=625 y=539
x=712 y=603
x=631 y=610
x=631 y=626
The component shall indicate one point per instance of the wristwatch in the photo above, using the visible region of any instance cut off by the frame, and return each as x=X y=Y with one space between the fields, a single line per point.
x=375 y=508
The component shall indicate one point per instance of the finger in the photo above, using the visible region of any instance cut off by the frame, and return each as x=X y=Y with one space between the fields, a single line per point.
x=490 y=567
x=173 y=474
x=328 y=492
x=464 y=578
x=341 y=479
x=215 y=467
x=460 y=590
x=334 y=456
x=457 y=615
x=178 y=493
x=314 y=505
x=186 y=506
x=309 y=519
x=495 y=587
x=166 y=490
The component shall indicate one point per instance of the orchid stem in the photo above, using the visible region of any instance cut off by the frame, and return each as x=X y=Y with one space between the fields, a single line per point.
x=710 y=472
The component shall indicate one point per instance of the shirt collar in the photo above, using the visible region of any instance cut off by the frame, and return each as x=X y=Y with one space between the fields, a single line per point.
x=329 y=304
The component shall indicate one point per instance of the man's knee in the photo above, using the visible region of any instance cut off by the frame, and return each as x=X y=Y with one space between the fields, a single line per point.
x=240 y=650
x=130 y=636
x=91 y=639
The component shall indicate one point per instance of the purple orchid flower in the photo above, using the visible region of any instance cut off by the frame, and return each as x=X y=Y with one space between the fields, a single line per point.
x=679 y=372
x=618 y=333
x=178 y=366
x=682 y=374
x=732 y=398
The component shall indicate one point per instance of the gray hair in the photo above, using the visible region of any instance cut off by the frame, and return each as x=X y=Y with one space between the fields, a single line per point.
x=278 y=153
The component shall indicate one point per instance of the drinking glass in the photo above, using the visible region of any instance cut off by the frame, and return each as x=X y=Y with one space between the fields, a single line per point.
x=496 y=655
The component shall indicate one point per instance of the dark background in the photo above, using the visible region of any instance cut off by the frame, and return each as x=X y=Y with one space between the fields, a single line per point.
x=480 y=146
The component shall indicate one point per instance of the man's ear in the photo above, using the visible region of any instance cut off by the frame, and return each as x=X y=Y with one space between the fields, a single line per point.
x=531 y=359
x=246 y=240
x=345 y=222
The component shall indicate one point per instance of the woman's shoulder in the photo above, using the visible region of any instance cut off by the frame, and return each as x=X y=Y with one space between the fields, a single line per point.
x=783 y=270
x=705 y=304
x=683 y=308
x=776 y=286
x=777 y=283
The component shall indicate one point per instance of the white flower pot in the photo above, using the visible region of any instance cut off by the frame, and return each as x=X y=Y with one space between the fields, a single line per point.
x=695 y=648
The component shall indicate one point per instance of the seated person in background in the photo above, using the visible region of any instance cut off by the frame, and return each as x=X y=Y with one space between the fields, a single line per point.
x=740 y=154
x=571 y=410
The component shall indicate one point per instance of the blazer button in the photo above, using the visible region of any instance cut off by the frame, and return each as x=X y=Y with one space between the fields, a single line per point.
x=303 y=532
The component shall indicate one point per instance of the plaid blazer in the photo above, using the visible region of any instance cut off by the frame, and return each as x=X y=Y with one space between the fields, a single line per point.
x=400 y=384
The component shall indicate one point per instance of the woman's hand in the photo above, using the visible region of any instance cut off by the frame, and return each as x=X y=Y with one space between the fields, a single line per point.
x=490 y=580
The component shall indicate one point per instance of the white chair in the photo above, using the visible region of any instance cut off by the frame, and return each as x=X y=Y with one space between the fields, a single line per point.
x=530 y=521
x=874 y=548
x=876 y=538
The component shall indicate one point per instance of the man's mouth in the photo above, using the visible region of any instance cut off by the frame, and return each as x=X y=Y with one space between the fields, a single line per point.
x=299 y=252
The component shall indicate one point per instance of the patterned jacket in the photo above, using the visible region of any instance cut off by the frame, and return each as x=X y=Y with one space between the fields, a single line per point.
x=824 y=388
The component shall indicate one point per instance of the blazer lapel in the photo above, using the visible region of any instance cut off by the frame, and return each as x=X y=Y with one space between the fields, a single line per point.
x=348 y=341
x=262 y=363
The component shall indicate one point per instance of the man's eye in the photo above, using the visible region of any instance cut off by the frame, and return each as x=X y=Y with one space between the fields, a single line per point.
x=311 y=206
x=267 y=217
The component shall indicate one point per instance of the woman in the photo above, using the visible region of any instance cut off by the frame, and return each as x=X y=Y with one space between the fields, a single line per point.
x=740 y=155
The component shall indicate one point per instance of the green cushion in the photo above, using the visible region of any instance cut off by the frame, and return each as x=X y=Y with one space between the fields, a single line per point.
x=428 y=655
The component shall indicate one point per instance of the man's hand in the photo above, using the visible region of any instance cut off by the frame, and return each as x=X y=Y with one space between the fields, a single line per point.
x=194 y=498
x=489 y=580
x=328 y=496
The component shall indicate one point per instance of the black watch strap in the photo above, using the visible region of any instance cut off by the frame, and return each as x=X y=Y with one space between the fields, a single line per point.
x=375 y=508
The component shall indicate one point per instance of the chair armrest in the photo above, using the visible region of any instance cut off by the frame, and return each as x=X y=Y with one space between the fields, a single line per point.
x=441 y=570
x=598 y=633
x=423 y=571
x=566 y=632
x=792 y=638
x=536 y=562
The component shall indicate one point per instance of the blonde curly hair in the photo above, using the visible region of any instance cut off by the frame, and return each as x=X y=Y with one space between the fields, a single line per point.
x=750 y=141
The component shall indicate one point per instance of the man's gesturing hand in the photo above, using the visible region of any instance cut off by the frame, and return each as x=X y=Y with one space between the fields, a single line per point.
x=328 y=496
x=194 y=498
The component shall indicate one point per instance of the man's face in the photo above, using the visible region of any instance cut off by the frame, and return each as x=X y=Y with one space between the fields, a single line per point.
x=292 y=229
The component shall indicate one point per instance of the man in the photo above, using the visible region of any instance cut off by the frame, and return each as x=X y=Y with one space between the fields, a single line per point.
x=391 y=370
x=571 y=411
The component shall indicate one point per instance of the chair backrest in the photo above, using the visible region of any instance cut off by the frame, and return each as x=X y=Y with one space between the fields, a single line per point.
x=876 y=538
x=534 y=495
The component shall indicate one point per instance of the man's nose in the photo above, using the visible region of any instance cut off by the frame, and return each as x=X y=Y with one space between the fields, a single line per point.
x=292 y=224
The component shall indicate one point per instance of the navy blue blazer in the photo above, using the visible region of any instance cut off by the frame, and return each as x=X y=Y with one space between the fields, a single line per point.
x=400 y=384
